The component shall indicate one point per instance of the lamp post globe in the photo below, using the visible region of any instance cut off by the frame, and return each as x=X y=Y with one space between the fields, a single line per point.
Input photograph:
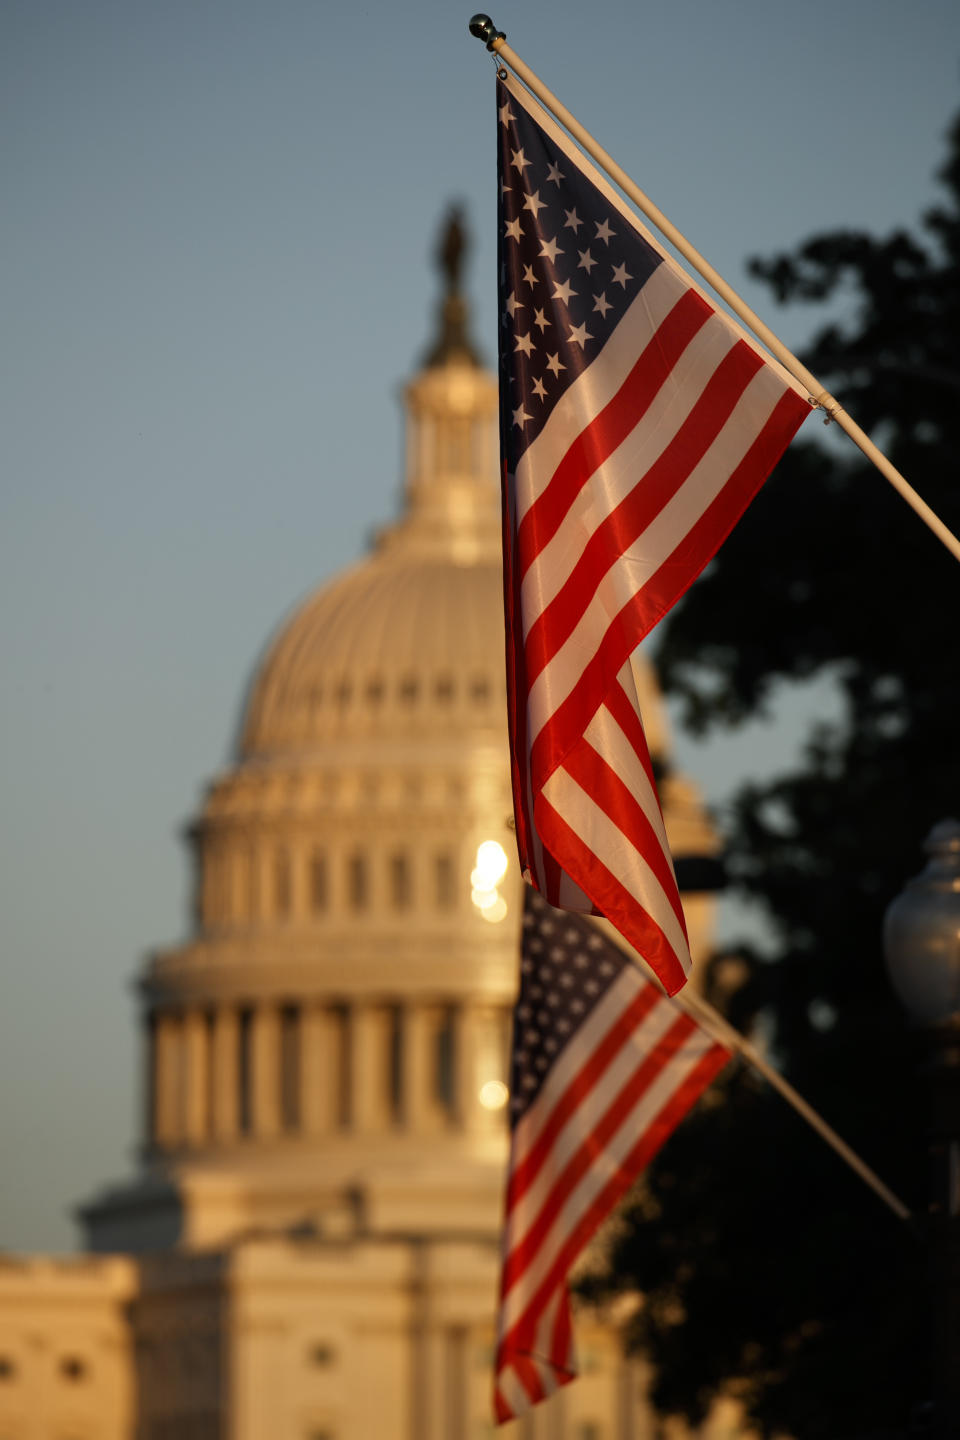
x=921 y=936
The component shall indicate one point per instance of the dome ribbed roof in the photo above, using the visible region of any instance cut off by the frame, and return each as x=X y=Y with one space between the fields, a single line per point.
x=401 y=643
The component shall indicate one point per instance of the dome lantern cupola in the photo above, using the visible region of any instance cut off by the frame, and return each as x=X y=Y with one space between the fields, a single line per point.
x=452 y=437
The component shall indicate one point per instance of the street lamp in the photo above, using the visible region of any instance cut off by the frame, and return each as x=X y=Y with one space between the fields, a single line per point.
x=921 y=936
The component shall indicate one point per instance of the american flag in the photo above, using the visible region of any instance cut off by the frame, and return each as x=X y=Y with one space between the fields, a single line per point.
x=637 y=422
x=605 y=1066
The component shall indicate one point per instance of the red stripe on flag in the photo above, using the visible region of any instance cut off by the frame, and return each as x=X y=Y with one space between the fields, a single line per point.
x=607 y=790
x=620 y=906
x=639 y=615
x=611 y=426
x=619 y=531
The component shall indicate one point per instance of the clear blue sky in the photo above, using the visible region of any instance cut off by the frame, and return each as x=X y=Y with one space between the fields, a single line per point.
x=216 y=235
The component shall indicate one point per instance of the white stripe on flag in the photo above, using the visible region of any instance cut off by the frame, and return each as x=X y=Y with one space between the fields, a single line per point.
x=608 y=739
x=629 y=573
x=619 y=472
x=615 y=850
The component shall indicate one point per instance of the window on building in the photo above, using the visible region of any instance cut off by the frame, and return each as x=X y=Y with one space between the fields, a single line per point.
x=443 y=689
x=290 y=1048
x=444 y=1061
x=8 y=1368
x=73 y=1368
x=358 y=886
x=480 y=689
x=457 y=449
x=321 y=1354
x=409 y=688
x=281 y=883
x=445 y=881
x=319 y=896
x=245 y=1072
x=401 y=888
x=244 y=886
x=589 y=1430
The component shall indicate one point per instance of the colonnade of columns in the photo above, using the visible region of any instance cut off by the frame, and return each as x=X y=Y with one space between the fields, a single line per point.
x=264 y=1070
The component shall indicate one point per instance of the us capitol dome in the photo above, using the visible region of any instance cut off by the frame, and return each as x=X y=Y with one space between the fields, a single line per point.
x=309 y=1248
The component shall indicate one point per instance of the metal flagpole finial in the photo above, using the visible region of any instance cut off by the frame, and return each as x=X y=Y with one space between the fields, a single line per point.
x=484 y=29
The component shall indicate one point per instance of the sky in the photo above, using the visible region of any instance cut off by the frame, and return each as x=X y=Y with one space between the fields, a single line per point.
x=216 y=272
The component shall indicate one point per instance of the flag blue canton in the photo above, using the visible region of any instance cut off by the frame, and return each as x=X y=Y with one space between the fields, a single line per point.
x=569 y=266
x=566 y=969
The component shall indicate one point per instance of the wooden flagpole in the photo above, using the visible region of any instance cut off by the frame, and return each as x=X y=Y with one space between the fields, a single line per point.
x=713 y=1022
x=496 y=41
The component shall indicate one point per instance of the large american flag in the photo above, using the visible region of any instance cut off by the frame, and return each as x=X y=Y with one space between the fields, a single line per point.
x=605 y=1066
x=637 y=422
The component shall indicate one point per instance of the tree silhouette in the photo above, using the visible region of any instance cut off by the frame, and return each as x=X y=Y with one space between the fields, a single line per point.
x=766 y=1270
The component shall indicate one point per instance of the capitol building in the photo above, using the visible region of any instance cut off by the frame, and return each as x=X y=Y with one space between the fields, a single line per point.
x=308 y=1249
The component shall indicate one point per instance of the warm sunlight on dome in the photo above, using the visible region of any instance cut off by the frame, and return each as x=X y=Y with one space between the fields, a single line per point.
x=493 y=1095
x=486 y=875
x=491 y=865
x=496 y=911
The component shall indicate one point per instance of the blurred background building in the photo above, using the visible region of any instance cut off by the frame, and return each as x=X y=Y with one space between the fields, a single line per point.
x=309 y=1248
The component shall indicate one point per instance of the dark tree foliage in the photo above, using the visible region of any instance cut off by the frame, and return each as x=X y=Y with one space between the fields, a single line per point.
x=767 y=1269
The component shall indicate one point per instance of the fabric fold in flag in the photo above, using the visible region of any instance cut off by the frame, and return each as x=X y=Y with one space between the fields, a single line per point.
x=637 y=422
x=604 y=1067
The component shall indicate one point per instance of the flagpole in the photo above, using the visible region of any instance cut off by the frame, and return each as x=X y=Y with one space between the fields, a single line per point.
x=704 y=1013
x=496 y=41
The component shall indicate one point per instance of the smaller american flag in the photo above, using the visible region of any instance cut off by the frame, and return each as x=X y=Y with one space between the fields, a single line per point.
x=605 y=1066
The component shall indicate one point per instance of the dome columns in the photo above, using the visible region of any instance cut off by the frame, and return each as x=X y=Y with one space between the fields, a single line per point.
x=267 y=1071
x=369 y=1050
x=322 y=1040
x=166 y=1087
x=225 y=1063
x=196 y=1076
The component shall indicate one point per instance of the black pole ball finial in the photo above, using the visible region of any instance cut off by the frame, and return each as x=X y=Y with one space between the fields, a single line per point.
x=484 y=29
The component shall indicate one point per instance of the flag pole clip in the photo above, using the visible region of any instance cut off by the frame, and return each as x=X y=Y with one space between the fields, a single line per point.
x=484 y=29
x=828 y=404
